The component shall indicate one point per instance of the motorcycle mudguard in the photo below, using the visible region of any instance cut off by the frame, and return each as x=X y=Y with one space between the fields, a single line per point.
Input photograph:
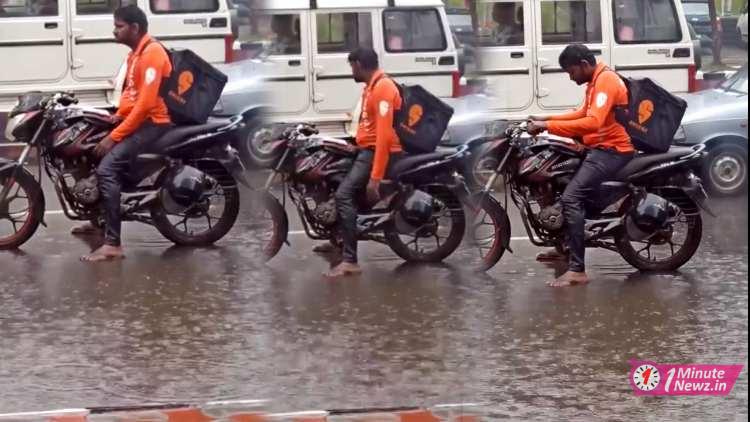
x=694 y=190
x=230 y=160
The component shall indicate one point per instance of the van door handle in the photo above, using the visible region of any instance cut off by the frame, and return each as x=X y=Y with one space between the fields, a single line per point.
x=516 y=55
x=596 y=52
x=294 y=63
x=50 y=25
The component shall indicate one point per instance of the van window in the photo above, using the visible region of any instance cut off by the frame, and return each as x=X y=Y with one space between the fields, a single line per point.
x=565 y=22
x=646 y=21
x=184 y=6
x=343 y=32
x=28 y=8
x=500 y=23
x=100 y=7
x=413 y=30
x=274 y=34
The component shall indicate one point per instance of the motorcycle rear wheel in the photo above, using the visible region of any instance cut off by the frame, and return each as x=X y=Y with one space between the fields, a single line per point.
x=689 y=218
x=175 y=226
x=411 y=250
x=25 y=190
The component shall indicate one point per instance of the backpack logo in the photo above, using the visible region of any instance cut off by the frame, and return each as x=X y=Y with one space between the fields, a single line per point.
x=645 y=111
x=415 y=114
x=184 y=82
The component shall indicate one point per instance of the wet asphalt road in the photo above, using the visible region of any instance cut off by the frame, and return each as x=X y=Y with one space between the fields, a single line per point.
x=178 y=324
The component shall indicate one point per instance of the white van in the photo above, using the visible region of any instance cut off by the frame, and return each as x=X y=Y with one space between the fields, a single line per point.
x=307 y=43
x=520 y=42
x=52 y=45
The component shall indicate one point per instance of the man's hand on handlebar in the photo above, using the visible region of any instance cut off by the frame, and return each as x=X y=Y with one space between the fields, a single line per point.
x=535 y=127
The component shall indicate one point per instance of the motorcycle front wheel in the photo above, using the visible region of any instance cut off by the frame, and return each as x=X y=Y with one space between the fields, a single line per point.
x=21 y=211
x=435 y=240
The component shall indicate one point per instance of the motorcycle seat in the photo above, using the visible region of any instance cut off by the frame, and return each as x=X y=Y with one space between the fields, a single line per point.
x=410 y=161
x=642 y=161
x=179 y=133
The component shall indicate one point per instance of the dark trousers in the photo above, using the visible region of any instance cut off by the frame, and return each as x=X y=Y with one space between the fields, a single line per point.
x=354 y=182
x=112 y=170
x=598 y=167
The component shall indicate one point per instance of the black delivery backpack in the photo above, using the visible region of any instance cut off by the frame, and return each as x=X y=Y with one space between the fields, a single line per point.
x=192 y=89
x=652 y=115
x=422 y=119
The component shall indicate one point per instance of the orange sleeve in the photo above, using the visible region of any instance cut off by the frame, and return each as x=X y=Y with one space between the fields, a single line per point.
x=384 y=96
x=152 y=65
x=605 y=94
x=573 y=115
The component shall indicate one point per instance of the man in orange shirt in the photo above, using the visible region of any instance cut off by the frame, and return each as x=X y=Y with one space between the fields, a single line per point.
x=376 y=140
x=144 y=119
x=609 y=144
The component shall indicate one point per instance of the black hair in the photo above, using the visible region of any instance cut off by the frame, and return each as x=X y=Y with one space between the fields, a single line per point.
x=574 y=54
x=365 y=56
x=131 y=14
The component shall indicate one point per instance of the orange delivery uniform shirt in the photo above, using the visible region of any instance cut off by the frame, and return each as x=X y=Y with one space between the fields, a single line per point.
x=595 y=120
x=379 y=101
x=140 y=100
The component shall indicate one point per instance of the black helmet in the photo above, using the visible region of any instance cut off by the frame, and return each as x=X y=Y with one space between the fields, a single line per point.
x=185 y=186
x=418 y=208
x=649 y=215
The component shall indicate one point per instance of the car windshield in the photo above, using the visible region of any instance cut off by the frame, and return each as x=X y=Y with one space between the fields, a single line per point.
x=738 y=82
x=695 y=8
x=459 y=20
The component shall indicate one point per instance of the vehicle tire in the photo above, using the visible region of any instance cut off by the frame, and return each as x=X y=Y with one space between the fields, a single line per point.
x=253 y=143
x=494 y=215
x=265 y=207
x=691 y=218
x=167 y=223
x=34 y=210
x=453 y=212
x=725 y=170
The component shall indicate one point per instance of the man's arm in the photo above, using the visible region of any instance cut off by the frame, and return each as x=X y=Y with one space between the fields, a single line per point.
x=152 y=66
x=578 y=113
x=605 y=92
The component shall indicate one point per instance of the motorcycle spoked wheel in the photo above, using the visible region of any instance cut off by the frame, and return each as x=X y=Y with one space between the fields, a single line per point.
x=408 y=247
x=199 y=225
x=21 y=211
x=267 y=226
x=489 y=232
x=669 y=249
x=205 y=222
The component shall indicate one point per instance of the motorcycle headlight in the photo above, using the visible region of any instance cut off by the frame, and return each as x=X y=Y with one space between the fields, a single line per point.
x=680 y=135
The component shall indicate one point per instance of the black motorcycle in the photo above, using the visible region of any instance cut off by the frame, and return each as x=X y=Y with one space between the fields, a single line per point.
x=650 y=213
x=425 y=213
x=187 y=188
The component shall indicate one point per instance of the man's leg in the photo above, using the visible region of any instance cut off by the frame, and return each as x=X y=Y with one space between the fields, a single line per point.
x=110 y=174
x=354 y=182
x=598 y=167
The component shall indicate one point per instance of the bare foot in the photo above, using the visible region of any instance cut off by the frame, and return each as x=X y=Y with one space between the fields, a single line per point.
x=104 y=253
x=342 y=270
x=551 y=255
x=570 y=278
x=85 y=229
